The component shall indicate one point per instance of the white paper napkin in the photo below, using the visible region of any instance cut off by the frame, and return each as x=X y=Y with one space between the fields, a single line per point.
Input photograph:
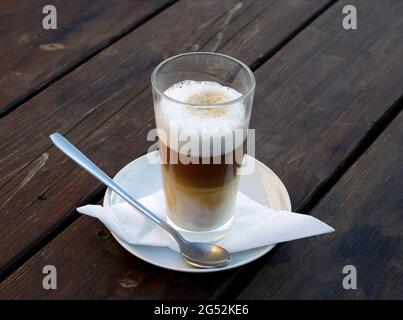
x=254 y=225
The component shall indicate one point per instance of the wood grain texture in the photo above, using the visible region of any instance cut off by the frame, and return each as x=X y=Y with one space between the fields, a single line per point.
x=106 y=272
x=113 y=110
x=310 y=113
x=32 y=57
x=365 y=208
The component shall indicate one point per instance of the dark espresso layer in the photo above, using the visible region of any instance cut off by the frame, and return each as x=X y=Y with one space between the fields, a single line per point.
x=201 y=194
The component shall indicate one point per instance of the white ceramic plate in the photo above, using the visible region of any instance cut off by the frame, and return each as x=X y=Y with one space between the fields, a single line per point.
x=140 y=178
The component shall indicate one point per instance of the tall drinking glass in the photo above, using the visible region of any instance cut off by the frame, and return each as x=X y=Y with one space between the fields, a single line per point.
x=202 y=104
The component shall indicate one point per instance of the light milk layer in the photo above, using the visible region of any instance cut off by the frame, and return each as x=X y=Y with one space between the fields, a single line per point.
x=199 y=118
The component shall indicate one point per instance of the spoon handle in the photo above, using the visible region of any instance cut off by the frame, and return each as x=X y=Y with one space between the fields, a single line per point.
x=73 y=153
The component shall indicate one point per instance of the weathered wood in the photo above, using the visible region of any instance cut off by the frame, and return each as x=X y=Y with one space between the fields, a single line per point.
x=311 y=110
x=32 y=57
x=106 y=272
x=365 y=207
x=103 y=107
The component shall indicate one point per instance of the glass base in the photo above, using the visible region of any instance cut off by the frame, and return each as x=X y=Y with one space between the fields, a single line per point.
x=207 y=236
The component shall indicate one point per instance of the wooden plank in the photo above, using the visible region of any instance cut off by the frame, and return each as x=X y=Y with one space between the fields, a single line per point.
x=106 y=272
x=310 y=113
x=32 y=57
x=36 y=186
x=365 y=207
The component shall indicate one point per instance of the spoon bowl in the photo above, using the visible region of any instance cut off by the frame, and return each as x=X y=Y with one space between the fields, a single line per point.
x=205 y=255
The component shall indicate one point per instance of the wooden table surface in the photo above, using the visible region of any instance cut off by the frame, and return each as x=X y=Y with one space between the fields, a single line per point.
x=328 y=121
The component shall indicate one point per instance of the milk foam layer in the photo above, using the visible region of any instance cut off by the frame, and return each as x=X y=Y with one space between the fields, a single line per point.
x=217 y=121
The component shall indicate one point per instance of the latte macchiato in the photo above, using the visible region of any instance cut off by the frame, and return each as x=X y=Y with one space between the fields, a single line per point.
x=202 y=105
x=200 y=184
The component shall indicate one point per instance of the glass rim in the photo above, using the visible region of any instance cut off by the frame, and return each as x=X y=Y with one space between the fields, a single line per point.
x=233 y=101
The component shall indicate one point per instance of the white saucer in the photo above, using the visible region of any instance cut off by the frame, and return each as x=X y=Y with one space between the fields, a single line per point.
x=140 y=178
